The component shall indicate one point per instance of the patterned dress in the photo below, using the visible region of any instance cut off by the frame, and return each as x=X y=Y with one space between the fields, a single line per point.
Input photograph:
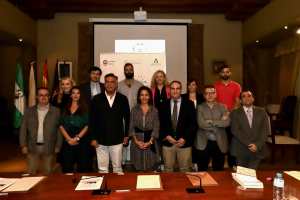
x=144 y=159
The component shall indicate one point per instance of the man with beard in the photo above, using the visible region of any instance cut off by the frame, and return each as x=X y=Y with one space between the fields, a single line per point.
x=129 y=87
x=228 y=94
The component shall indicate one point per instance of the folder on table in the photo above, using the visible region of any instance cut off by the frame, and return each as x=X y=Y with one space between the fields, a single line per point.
x=148 y=182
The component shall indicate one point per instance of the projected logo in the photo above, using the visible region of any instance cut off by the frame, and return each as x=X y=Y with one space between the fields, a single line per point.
x=105 y=62
x=155 y=62
x=133 y=62
x=142 y=79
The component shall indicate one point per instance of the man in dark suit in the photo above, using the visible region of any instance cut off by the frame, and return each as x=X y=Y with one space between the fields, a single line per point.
x=107 y=112
x=40 y=137
x=178 y=122
x=250 y=129
x=211 y=139
x=92 y=87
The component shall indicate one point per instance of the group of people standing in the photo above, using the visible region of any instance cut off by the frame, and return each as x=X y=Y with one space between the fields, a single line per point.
x=158 y=125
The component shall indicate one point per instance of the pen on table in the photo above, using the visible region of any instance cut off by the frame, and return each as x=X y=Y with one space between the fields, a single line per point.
x=122 y=190
x=3 y=194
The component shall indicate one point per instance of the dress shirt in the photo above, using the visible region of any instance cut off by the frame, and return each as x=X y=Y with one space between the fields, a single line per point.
x=178 y=107
x=110 y=100
x=251 y=111
x=41 y=117
x=130 y=92
x=97 y=88
x=211 y=136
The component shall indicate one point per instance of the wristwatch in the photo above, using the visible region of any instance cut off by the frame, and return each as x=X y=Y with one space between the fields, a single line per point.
x=151 y=142
x=78 y=138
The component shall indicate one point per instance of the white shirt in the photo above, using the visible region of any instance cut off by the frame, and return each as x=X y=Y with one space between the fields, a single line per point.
x=41 y=117
x=110 y=100
x=245 y=109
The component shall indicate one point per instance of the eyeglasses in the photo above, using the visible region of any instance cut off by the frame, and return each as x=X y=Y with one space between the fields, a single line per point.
x=209 y=93
x=128 y=70
x=43 y=95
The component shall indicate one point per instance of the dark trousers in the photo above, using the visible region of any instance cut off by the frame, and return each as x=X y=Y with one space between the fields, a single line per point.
x=72 y=154
x=250 y=161
x=230 y=158
x=194 y=155
x=213 y=151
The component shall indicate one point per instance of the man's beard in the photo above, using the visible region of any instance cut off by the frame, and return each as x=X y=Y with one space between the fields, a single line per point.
x=129 y=76
x=225 y=78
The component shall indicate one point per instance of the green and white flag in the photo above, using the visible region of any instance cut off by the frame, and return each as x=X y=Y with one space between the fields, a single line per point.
x=20 y=100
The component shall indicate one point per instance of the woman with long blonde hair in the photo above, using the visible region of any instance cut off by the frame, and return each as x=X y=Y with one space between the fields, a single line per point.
x=161 y=93
x=160 y=88
x=63 y=96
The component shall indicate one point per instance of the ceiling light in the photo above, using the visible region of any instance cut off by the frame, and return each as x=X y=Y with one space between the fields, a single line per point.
x=20 y=40
x=298 y=32
x=286 y=27
x=257 y=41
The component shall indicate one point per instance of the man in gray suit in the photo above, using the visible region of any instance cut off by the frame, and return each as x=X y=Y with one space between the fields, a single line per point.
x=40 y=137
x=250 y=129
x=211 y=139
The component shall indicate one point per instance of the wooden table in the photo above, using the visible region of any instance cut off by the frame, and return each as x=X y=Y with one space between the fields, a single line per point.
x=60 y=186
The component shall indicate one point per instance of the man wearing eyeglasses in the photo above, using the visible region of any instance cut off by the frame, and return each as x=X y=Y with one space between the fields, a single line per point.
x=40 y=137
x=228 y=94
x=211 y=139
x=250 y=129
x=129 y=87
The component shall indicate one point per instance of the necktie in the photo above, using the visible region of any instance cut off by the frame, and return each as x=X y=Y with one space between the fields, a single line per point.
x=174 y=117
x=249 y=117
x=94 y=89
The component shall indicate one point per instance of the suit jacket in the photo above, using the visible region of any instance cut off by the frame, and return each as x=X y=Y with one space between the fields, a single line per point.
x=86 y=88
x=106 y=123
x=51 y=134
x=217 y=126
x=199 y=97
x=186 y=123
x=243 y=135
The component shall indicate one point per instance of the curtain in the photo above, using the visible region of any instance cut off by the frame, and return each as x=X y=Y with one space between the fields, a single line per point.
x=296 y=128
x=289 y=66
x=288 y=46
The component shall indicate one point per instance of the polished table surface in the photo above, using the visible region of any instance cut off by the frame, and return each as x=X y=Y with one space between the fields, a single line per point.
x=60 y=186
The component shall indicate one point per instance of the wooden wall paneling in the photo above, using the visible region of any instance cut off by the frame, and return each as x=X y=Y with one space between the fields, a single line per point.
x=195 y=55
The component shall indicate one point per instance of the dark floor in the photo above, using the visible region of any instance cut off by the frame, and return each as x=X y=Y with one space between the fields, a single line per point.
x=13 y=161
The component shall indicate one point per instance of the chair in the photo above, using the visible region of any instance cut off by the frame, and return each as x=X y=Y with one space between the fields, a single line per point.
x=278 y=141
x=285 y=119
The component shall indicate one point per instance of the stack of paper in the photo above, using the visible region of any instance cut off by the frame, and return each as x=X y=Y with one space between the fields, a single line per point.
x=5 y=182
x=148 y=182
x=89 y=183
x=247 y=178
x=24 y=184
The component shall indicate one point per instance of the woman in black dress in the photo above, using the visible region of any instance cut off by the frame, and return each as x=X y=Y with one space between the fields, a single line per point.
x=197 y=98
x=144 y=130
x=73 y=124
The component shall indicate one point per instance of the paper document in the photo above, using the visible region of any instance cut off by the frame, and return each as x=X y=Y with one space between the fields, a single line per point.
x=90 y=183
x=246 y=171
x=295 y=174
x=24 y=184
x=5 y=182
x=148 y=182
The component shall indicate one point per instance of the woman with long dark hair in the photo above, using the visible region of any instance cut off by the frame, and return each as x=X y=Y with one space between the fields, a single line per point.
x=144 y=130
x=73 y=124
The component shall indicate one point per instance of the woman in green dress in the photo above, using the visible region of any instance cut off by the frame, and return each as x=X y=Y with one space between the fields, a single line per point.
x=73 y=124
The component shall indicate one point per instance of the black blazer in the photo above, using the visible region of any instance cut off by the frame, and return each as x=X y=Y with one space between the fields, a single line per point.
x=186 y=122
x=199 y=97
x=106 y=123
x=86 y=88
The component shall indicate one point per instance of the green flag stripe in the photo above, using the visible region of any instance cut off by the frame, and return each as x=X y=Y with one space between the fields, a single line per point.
x=19 y=77
x=17 y=117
